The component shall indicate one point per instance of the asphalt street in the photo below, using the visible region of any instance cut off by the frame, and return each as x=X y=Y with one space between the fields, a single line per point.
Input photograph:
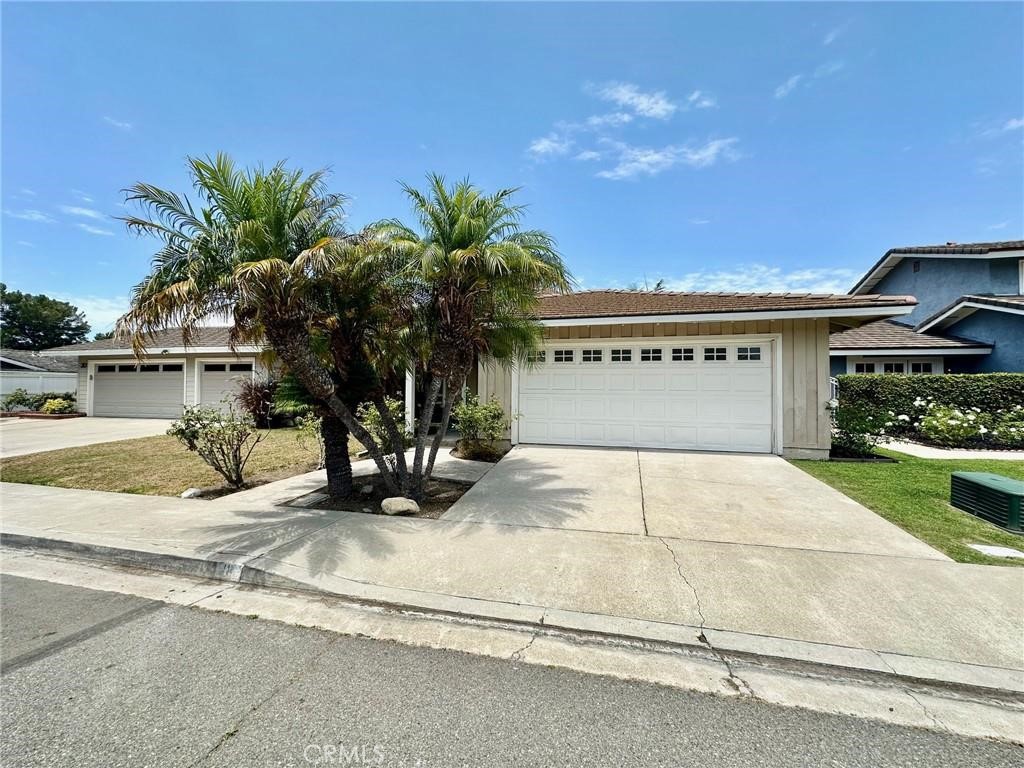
x=104 y=679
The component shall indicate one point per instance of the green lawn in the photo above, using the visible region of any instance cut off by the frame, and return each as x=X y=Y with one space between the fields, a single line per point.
x=914 y=494
x=156 y=466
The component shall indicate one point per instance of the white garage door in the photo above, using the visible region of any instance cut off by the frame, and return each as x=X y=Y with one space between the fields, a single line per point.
x=219 y=381
x=698 y=394
x=154 y=390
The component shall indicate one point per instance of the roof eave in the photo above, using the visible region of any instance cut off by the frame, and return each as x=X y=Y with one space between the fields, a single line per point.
x=961 y=309
x=860 y=313
x=154 y=351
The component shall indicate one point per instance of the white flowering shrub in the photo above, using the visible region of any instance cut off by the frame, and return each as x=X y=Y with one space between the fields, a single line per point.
x=1008 y=427
x=956 y=427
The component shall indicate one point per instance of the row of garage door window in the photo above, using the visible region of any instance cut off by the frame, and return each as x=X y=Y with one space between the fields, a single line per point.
x=175 y=368
x=648 y=355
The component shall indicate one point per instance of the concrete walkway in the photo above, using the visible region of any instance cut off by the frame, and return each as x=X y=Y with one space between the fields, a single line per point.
x=919 y=616
x=19 y=437
x=931 y=452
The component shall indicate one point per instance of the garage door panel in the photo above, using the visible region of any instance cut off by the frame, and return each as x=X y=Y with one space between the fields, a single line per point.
x=724 y=404
x=156 y=395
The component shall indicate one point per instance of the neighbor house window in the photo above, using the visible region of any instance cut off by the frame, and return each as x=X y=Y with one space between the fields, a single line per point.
x=650 y=355
x=240 y=368
x=622 y=355
x=715 y=354
x=563 y=355
x=682 y=354
x=106 y=368
x=892 y=368
x=592 y=355
x=537 y=357
x=748 y=353
x=214 y=367
x=864 y=368
x=920 y=367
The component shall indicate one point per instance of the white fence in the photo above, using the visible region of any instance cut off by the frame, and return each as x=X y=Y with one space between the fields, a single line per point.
x=35 y=383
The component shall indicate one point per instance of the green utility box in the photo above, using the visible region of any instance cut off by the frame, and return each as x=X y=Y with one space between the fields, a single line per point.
x=991 y=497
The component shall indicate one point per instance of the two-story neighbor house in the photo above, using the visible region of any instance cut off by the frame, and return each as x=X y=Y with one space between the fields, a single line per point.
x=969 y=317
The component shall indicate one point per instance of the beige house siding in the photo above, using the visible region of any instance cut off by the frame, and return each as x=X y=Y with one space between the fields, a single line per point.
x=191 y=362
x=806 y=429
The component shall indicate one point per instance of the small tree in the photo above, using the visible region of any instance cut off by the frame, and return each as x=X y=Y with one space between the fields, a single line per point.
x=224 y=439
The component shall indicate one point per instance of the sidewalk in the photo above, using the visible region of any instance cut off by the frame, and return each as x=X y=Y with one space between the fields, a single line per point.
x=915 y=617
x=932 y=452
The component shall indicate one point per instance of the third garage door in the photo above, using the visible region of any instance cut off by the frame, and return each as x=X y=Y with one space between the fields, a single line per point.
x=697 y=394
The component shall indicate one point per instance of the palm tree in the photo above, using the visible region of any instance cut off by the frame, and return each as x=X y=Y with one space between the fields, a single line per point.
x=269 y=249
x=480 y=275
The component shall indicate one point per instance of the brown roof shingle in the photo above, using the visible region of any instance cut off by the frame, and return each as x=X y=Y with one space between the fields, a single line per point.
x=964 y=248
x=624 y=303
x=888 y=334
x=36 y=360
x=214 y=336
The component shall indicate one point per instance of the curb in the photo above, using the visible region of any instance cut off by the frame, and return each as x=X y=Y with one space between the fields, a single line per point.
x=989 y=684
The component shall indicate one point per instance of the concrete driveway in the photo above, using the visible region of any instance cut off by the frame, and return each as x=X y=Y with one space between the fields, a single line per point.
x=748 y=499
x=19 y=437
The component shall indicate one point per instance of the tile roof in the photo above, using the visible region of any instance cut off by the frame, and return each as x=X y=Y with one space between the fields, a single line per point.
x=169 y=338
x=888 y=334
x=621 y=303
x=36 y=360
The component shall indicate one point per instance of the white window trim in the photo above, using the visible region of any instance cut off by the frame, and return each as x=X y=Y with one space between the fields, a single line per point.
x=909 y=352
x=937 y=363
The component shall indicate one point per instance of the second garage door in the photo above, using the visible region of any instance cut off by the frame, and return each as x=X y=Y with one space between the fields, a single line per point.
x=219 y=382
x=697 y=394
x=155 y=391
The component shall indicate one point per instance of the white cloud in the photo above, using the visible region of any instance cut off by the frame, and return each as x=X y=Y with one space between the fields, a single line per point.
x=610 y=120
x=95 y=230
x=119 y=124
x=701 y=100
x=833 y=34
x=646 y=161
x=30 y=214
x=26 y=243
x=588 y=154
x=787 y=87
x=647 y=104
x=550 y=146
x=1001 y=225
x=101 y=312
x=829 y=68
x=699 y=222
x=761 y=277
x=75 y=210
x=1014 y=124
x=80 y=195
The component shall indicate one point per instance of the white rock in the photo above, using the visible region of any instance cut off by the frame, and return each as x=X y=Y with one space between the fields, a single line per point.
x=397 y=505
x=192 y=493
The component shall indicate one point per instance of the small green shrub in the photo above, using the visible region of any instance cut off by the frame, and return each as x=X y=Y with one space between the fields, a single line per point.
x=370 y=418
x=856 y=430
x=21 y=399
x=477 y=421
x=224 y=439
x=953 y=427
x=310 y=436
x=58 y=405
x=1008 y=427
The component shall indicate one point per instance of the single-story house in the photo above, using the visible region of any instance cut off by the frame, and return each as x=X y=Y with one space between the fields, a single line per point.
x=111 y=382
x=969 y=316
x=699 y=371
x=36 y=373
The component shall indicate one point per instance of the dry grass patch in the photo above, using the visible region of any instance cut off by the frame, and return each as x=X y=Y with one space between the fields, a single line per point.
x=155 y=466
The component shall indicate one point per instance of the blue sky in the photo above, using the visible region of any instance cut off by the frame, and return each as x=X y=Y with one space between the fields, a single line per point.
x=721 y=147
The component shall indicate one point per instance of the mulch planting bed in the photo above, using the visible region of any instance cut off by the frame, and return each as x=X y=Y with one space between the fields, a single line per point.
x=439 y=496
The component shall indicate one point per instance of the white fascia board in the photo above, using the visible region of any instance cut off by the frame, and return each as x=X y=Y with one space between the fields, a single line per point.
x=973 y=306
x=26 y=366
x=246 y=349
x=714 y=317
x=910 y=352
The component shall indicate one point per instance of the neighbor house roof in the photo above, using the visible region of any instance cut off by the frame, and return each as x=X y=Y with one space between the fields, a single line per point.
x=625 y=303
x=893 y=257
x=969 y=304
x=890 y=335
x=33 y=361
x=206 y=339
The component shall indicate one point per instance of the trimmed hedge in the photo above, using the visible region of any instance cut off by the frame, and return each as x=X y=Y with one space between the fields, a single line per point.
x=990 y=392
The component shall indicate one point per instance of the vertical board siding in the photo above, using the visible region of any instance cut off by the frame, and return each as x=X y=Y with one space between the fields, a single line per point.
x=805 y=368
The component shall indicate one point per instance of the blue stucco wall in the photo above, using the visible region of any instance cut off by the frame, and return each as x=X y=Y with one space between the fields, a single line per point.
x=939 y=282
x=1004 y=330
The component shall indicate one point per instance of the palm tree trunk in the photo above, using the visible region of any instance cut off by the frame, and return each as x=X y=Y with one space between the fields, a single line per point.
x=336 y=458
